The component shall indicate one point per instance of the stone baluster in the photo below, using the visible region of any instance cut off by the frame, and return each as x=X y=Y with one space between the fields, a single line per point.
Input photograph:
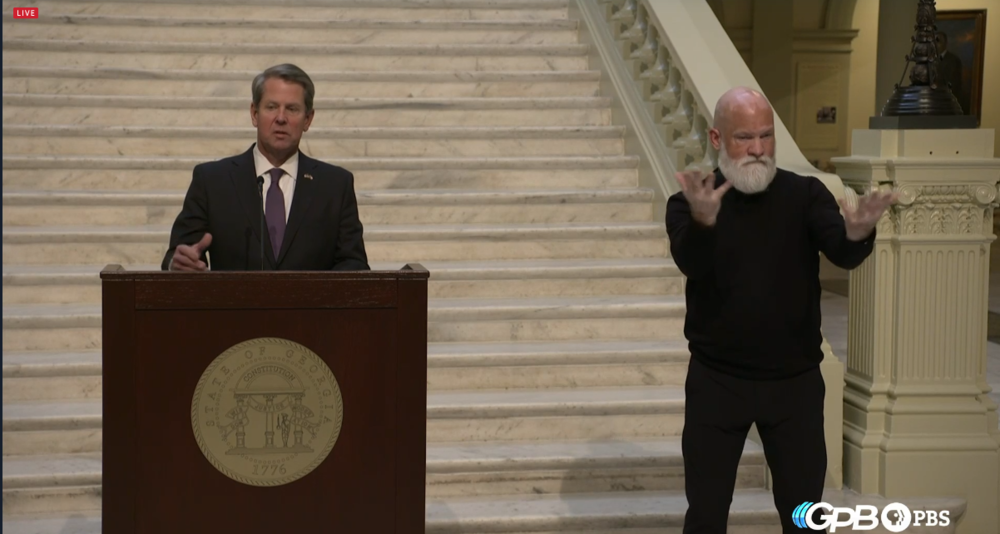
x=636 y=33
x=624 y=17
x=610 y=7
x=646 y=53
x=654 y=79
x=710 y=160
x=696 y=141
x=668 y=97
x=687 y=144
x=679 y=123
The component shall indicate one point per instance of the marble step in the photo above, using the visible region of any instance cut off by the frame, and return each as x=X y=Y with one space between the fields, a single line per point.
x=68 y=426
x=341 y=10
x=556 y=319
x=569 y=364
x=553 y=278
x=61 y=483
x=508 y=173
x=51 y=364
x=24 y=472
x=233 y=83
x=76 y=245
x=34 y=484
x=260 y=55
x=566 y=468
x=74 y=327
x=45 y=375
x=65 y=208
x=80 y=284
x=325 y=143
x=56 y=284
x=231 y=112
x=555 y=414
x=74 y=426
x=234 y=29
x=54 y=328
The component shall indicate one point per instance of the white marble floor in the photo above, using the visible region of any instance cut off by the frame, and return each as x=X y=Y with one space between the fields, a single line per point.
x=835 y=329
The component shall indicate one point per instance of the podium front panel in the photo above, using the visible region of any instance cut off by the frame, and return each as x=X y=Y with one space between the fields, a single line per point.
x=161 y=479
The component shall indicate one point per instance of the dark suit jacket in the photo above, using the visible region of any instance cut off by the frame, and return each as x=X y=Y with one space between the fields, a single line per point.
x=323 y=230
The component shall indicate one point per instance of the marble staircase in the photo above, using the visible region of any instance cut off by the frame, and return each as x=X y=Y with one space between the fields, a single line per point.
x=482 y=148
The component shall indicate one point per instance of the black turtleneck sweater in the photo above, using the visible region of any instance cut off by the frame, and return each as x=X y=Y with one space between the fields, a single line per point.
x=753 y=290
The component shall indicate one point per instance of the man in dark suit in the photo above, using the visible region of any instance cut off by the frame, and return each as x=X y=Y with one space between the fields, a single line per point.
x=309 y=208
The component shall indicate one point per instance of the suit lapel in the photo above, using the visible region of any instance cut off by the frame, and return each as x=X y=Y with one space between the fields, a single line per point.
x=301 y=200
x=244 y=177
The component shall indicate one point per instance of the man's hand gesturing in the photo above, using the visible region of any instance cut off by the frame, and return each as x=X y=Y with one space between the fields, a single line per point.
x=702 y=195
x=188 y=257
x=860 y=221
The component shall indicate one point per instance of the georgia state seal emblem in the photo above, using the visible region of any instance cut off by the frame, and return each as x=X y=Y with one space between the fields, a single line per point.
x=267 y=412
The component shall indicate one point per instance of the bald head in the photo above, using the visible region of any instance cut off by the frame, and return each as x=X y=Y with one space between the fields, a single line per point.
x=738 y=104
x=744 y=136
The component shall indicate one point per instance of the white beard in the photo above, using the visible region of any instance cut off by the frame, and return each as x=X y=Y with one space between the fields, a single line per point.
x=749 y=175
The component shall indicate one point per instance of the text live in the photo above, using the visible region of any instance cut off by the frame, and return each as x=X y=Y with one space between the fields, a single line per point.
x=25 y=12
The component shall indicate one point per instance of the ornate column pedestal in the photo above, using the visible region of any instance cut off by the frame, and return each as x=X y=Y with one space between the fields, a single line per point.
x=917 y=418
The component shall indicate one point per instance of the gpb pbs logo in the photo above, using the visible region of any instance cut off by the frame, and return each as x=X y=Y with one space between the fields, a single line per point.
x=895 y=517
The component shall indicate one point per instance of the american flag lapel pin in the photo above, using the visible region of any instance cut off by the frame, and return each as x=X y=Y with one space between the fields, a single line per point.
x=308 y=176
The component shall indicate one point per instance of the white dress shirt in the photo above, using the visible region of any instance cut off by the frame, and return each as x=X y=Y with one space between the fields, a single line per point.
x=287 y=180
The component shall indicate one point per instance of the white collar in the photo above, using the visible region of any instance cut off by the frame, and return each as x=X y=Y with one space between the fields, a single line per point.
x=262 y=165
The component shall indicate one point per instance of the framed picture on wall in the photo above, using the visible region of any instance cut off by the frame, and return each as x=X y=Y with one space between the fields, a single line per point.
x=961 y=41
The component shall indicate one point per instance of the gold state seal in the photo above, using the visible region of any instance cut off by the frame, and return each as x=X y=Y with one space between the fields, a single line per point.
x=267 y=412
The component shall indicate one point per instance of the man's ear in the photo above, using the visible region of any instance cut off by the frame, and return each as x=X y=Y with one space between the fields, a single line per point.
x=715 y=137
x=253 y=114
x=309 y=119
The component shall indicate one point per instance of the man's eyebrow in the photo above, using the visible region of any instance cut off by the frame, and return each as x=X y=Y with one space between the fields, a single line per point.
x=751 y=132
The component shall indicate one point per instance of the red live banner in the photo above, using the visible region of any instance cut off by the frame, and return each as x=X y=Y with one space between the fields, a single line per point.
x=25 y=12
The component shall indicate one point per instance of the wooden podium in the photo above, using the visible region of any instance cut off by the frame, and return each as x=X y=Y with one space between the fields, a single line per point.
x=163 y=334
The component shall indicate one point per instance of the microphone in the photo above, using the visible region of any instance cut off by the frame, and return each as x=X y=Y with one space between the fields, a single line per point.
x=260 y=188
x=246 y=254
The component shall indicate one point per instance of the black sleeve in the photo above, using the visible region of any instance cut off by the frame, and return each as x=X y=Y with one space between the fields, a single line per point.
x=351 y=255
x=192 y=222
x=828 y=232
x=692 y=245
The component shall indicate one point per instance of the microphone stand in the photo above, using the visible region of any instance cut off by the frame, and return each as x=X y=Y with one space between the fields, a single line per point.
x=260 y=188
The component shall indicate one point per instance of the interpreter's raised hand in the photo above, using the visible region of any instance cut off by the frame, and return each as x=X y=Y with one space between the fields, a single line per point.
x=188 y=257
x=861 y=221
x=704 y=198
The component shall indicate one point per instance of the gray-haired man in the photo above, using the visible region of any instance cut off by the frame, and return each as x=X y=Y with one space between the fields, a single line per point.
x=308 y=209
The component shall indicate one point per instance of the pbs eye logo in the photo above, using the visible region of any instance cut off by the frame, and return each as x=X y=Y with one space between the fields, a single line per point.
x=896 y=517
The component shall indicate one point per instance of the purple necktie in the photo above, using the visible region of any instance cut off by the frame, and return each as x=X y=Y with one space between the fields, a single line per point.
x=274 y=211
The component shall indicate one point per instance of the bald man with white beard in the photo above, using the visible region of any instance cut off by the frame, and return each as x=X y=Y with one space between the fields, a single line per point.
x=748 y=238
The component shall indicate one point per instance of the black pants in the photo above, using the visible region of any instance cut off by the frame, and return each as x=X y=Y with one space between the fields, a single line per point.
x=717 y=416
